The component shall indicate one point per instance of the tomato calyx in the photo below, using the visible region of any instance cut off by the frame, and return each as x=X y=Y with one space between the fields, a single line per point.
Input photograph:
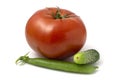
x=58 y=15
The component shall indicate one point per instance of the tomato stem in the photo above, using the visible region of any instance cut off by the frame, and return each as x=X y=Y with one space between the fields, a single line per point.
x=58 y=15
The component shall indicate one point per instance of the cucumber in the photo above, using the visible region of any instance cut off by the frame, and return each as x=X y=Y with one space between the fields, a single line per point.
x=86 y=57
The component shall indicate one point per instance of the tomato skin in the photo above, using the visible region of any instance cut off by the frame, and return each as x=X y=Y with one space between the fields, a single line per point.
x=55 y=38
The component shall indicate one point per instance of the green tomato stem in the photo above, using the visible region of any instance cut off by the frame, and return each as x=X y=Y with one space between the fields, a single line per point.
x=58 y=15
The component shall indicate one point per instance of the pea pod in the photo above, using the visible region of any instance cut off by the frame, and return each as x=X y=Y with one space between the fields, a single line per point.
x=58 y=65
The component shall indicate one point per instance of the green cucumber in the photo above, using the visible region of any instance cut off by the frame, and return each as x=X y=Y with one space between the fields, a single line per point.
x=86 y=57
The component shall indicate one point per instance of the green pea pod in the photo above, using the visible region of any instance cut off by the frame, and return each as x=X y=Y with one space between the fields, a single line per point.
x=58 y=65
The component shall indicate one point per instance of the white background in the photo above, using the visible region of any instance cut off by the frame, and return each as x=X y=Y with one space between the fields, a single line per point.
x=102 y=20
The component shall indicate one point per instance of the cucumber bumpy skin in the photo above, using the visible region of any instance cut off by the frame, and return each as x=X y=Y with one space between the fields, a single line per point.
x=86 y=57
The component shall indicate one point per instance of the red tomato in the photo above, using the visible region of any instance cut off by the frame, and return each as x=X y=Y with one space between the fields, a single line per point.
x=55 y=33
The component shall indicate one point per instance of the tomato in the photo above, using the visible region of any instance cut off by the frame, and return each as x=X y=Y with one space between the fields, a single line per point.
x=55 y=33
